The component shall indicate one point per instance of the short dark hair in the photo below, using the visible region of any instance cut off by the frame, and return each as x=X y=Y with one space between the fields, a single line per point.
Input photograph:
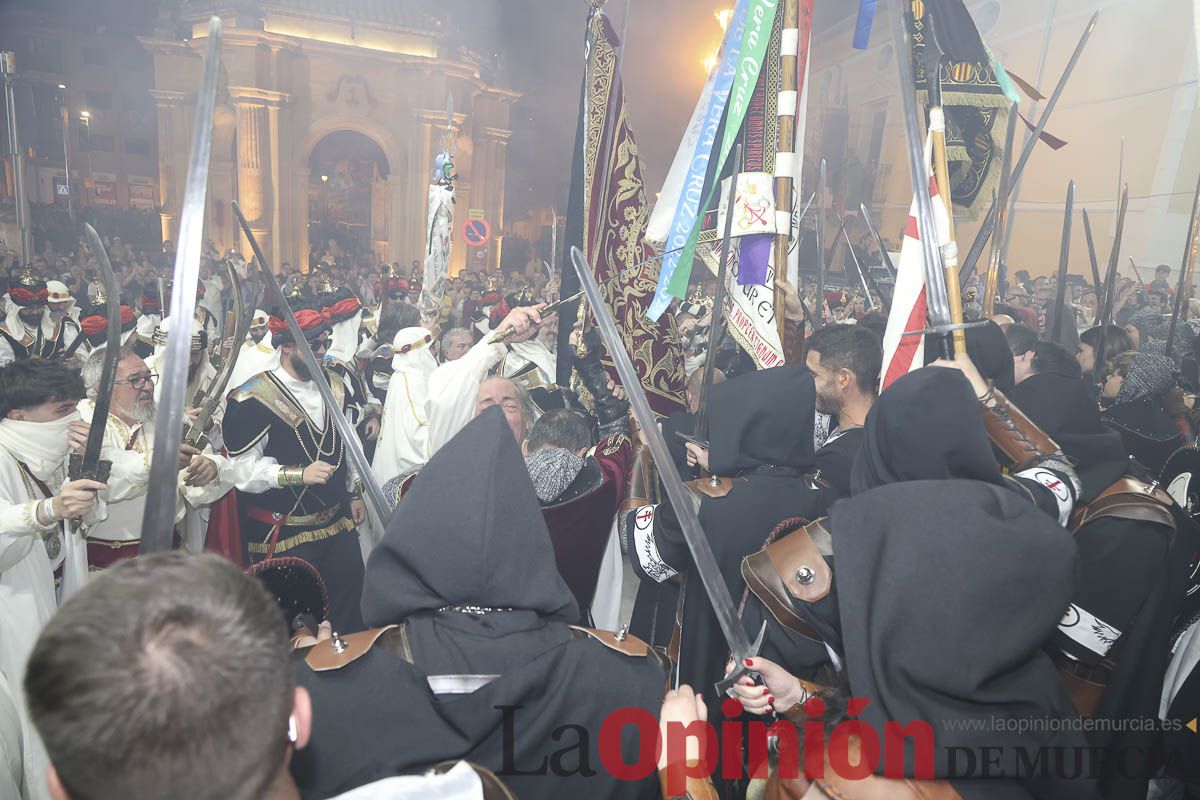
x=1021 y=338
x=1054 y=358
x=166 y=677
x=1117 y=341
x=561 y=427
x=1162 y=268
x=30 y=382
x=850 y=347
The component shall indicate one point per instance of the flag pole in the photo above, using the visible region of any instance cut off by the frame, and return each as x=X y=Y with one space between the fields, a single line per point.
x=941 y=172
x=786 y=157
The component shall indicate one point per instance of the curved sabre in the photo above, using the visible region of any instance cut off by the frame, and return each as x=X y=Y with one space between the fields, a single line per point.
x=90 y=465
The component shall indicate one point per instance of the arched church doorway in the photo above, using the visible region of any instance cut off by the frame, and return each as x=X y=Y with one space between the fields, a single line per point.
x=347 y=197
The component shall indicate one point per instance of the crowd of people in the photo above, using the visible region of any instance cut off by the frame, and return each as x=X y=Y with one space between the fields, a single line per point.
x=994 y=546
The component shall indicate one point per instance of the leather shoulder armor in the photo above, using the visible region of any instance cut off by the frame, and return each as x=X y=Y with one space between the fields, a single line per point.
x=627 y=644
x=790 y=570
x=341 y=651
x=1131 y=499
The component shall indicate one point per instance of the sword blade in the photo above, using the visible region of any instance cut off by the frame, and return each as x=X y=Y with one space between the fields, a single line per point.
x=1087 y=232
x=216 y=390
x=884 y=255
x=1185 y=269
x=89 y=466
x=353 y=447
x=937 y=307
x=986 y=229
x=1110 y=280
x=996 y=260
x=158 y=521
x=820 y=315
x=1064 y=257
x=862 y=276
x=702 y=555
x=717 y=327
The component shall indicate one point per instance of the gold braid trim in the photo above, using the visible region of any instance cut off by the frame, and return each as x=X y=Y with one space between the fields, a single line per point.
x=318 y=535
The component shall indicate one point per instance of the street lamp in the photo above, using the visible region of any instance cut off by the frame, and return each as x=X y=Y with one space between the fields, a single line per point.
x=85 y=117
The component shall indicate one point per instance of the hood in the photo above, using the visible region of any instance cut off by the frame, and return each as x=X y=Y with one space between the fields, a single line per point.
x=759 y=418
x=925 y=426
x=469 y=532
x=988 y=348
x=931 y=625
x=1063 y=407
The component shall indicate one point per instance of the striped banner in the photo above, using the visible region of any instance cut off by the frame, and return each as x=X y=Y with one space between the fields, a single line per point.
x=903 y=353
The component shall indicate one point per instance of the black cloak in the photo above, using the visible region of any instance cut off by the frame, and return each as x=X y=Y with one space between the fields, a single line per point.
x=946 y=585
x=468 y=568
x=760 y=435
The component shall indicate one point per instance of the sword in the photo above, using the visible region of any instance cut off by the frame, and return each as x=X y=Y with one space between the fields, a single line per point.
x=1110 y=280
x=821 y=185
x=1064 y=256
x=702 y=555
x=997 y=260
x=862 y=276
x=1185 y=269
x=717 y=327
x=158 y=521
x=550 y=308
x=90 y=465
x=937 y=303
x=884 y=256
x=990 y=221
x=345 y=430
x=1087 y=231
x=216 y=391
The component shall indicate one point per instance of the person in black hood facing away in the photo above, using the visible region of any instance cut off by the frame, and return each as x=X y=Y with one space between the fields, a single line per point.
x=761 y=446
x=935 y=587
x=1113 y=644
x=470 y=654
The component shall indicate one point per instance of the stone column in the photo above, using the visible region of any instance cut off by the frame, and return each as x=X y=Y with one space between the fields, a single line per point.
x=171 y=141
x=299 y=257
x=253 y=169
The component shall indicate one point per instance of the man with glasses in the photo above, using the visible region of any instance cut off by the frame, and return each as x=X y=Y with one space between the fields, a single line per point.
x=204 y=477
x=300 y=497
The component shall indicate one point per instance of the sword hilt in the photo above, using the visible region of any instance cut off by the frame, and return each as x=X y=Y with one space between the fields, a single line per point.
x=725 y=685
x=76 y=471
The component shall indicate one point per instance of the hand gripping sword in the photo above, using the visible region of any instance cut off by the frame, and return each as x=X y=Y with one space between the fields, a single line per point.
x=345 y=430
x=158 y=521
x=702 y=555
x=90 y=465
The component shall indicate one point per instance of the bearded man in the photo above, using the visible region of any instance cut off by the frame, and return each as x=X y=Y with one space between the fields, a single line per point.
x=204 y=476
x=300 y=496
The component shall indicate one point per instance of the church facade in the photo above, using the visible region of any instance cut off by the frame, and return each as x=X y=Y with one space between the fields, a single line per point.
x=329 y=118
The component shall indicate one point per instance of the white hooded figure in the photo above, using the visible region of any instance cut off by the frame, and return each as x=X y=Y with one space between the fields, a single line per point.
x=404 y=436
x=254 y=357
x=201 y=374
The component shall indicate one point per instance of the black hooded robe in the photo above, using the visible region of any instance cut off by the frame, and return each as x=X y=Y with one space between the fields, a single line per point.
x=471 y=577
x=1130 y=581
x=922 y=611
x=761 y=436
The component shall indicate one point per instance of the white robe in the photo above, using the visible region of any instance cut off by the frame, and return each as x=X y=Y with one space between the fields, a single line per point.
x=205 y=375
x=129 y=480
x=403 y=444
x=452 y=390
x=25 y=564
x=531 y=351
x=23 y=759
x=253 y=359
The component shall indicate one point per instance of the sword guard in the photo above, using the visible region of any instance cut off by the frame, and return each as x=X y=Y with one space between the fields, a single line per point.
x=725 y=685
x=76 y=471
